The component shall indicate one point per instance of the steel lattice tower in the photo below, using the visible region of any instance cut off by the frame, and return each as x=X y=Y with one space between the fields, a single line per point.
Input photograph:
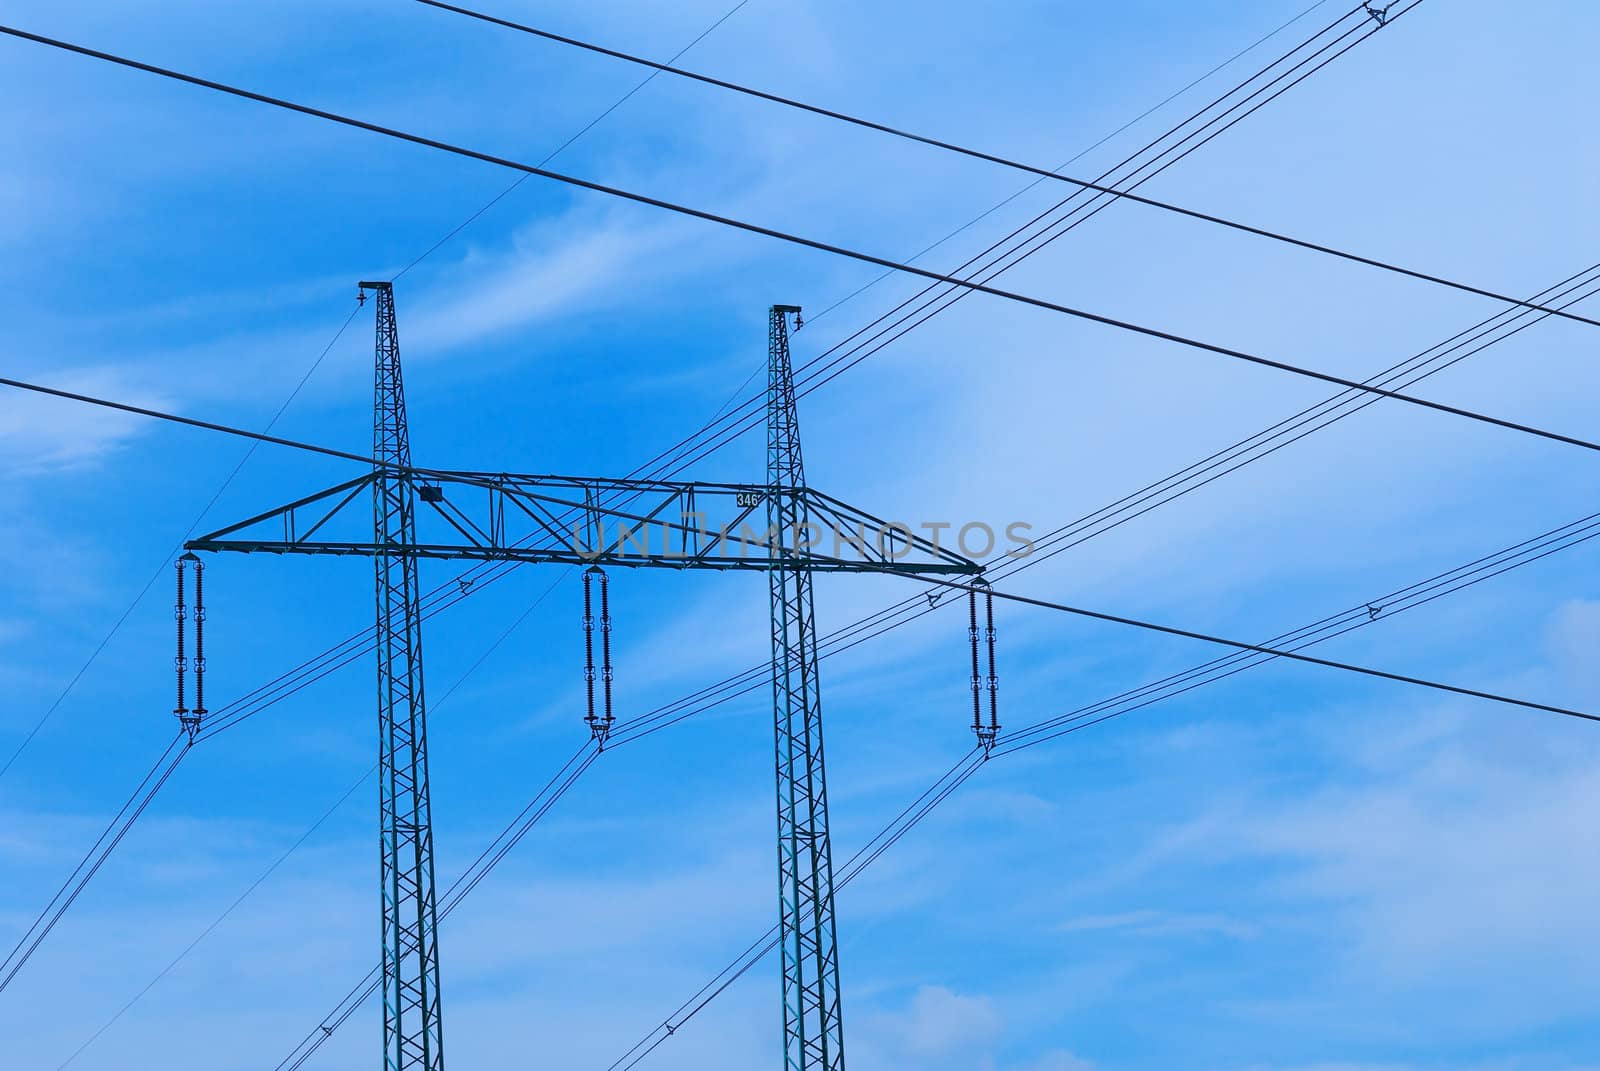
x=812 y=1023
x=412 y=1033
x=505 y=517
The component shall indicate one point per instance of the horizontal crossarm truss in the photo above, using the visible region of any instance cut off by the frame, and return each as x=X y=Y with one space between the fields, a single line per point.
x=579 y=520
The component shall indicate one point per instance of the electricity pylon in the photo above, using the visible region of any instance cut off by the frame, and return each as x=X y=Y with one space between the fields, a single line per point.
x=413 y=1034
x=813 y=1030
x=594 y=521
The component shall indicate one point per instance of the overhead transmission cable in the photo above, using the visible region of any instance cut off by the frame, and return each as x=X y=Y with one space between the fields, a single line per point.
x=804 y=242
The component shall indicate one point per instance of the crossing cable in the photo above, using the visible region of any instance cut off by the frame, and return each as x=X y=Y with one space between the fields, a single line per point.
x=166 y=561
x=1411 y=597
x=947 y=146
x=799 y=240
x=193 y=422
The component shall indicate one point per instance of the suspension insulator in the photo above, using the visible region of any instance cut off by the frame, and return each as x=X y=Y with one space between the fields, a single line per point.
x=994 y=680
x=972 y=639
x=588 y=643
x=199 y=663
x=605 y=646
x=180 y=664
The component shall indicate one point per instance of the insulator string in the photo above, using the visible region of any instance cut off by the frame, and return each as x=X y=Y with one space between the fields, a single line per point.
x=180 y=664
x=972 y=638
x=199 y=642
x=588 y=643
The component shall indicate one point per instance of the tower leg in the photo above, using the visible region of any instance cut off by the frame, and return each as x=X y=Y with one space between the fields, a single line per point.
x=412 y=1033
x=812 y=1021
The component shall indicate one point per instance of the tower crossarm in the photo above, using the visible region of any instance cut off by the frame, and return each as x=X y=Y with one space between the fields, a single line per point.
x=673 y=524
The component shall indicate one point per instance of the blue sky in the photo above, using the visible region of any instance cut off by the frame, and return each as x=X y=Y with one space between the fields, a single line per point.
x=1291 y=870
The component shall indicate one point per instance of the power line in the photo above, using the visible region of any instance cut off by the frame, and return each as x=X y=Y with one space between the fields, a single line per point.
x=1042 y=173
x=784 y=236
x=749 y=411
